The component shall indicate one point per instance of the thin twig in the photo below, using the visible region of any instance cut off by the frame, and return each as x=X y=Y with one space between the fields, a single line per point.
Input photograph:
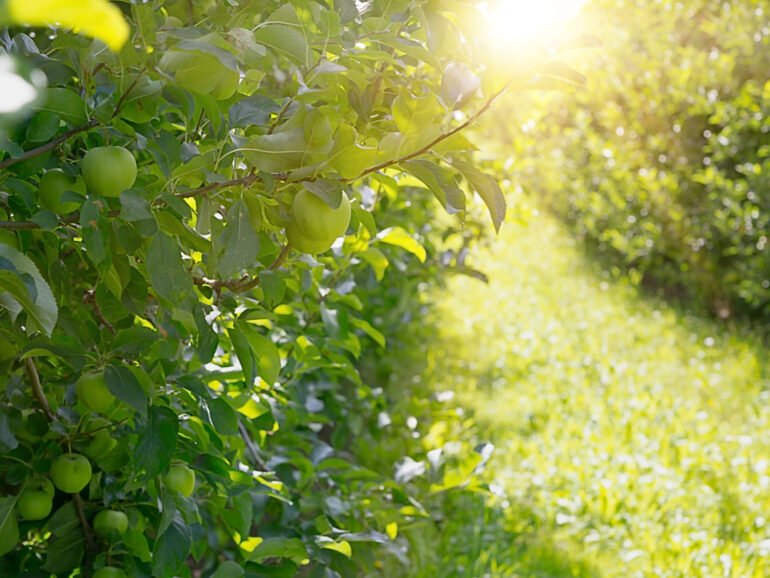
x=37 y=388
x=442 y=137
x=87 y=532
x=32 y=153
x=90 y=297
x=252 y=448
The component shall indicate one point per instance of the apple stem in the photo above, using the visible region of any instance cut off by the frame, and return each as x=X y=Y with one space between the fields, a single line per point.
x=37 y=388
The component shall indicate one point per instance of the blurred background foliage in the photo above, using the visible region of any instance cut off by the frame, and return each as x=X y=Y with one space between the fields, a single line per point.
x=661 y=163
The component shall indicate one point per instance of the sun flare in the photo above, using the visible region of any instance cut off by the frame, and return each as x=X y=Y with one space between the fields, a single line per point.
x=520 y=23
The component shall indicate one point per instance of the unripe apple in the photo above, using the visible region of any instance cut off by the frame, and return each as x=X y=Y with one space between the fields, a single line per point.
x=316 y=220
x=53 y=184
x=202 y=72
x=180 y=479
x=92 y=391
x=101 y=444
x=303 y=244
x=71 y=473
x=34 y=504
x=110 y=522
x=108 y=171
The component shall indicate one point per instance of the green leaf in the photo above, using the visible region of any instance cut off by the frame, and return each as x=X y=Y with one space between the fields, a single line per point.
x=228 y=569
x=9 y=528
x=126 y=387
x=64 y=520
x=244 y=353
x=292 y=548
x=342 y=547
x=157 y=441
x=168 y=276
x=265 y=352
x=223 y=417
x=367 y=328
x=441 y=182
x=278 y=152
x=65 y=552
x=20 y=278
x=238 y=242
x=400 y=238
x=488 y=189
x=283 y=33
x=67 y=104
x=171 y=549
x=8 y=441
x=561 y=70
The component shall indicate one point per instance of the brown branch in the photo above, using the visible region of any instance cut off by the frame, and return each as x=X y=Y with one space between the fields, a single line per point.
x=37 y=388
x=439 y=139
x=32 y=153
x=90 y=298
x=87 y=532
x=122 y=99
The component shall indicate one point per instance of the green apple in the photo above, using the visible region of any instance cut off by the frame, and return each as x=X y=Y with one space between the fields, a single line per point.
x=109 y=572
x=34 y=504
x=202 y=72
x=108 y=171
x=53 y=184
x=316 y=220
x=41 y=484
x=180 y=479
x=71 y=473
x=92 y=391
x=101 y=444
x=303 y=244
x=110 y=522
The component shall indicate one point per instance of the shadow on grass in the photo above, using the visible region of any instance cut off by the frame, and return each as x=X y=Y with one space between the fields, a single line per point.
x=477 y=540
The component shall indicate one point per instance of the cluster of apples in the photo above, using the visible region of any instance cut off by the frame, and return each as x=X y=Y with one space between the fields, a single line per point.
x=316 y=225
x=72 y=472
x=106 y=171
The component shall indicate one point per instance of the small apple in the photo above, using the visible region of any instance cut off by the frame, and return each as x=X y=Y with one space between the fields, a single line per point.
x=71 y=473
x=303 y=244
x=53 y=184
x=108 y=171
x=34 y=504
x=180 y=479
x=110 y=522
x=202 y=72
x=316 y=220
x=109 y=572
x=92 y=391
x=41 y=484
x=101 y=444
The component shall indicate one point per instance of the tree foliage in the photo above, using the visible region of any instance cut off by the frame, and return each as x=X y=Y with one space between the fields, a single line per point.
x=168 y=328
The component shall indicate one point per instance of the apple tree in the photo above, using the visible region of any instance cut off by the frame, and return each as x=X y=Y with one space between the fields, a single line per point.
x=206 y=209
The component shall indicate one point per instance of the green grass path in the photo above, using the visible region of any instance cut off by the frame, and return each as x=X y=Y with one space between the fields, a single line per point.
x=631 y=440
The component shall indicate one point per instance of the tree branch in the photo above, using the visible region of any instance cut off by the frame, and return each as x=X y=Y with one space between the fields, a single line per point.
x=442 y=137
x=32 y=153
x=37 y=388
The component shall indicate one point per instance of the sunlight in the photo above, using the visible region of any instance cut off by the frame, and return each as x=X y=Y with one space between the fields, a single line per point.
x=517 y=24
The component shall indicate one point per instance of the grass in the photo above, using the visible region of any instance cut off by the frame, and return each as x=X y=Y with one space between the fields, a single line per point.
x=632 y=440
